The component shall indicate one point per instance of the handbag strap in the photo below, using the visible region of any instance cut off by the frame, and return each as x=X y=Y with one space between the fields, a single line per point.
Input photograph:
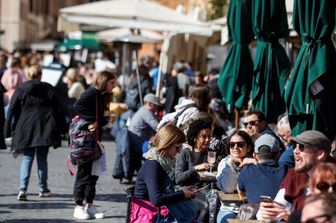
x=97 y=118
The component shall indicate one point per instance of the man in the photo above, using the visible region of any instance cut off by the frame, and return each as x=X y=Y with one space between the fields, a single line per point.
x=319 y=208
x=311 y=147
x=256 y=125
x=285 y=133
x=143 y=125
x=265 y=177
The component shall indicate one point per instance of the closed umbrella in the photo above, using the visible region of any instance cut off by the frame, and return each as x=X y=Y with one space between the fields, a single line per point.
x=236 y=75
x=272 y=66
x=311 y=92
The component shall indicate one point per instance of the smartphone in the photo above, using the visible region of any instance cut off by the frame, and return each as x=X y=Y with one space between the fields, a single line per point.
x=267 y=199
x=202 y=188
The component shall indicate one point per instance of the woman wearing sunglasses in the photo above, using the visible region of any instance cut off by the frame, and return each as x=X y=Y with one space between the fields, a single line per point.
x=153 y=187
x=240 y=144
x=322 y=181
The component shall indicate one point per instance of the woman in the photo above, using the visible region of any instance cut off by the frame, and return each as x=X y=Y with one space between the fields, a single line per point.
x=86 y=107
x=193 y=159
x=36 y=121
x=322 y=181
x=240 y=144
x=197 y=102
x=153 y=181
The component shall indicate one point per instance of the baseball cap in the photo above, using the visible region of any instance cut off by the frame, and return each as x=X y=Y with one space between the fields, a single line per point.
x=313 y=139
x=266 y=140
x=152 y=99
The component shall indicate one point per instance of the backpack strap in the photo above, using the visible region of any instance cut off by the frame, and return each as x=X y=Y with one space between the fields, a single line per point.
x=183 y=110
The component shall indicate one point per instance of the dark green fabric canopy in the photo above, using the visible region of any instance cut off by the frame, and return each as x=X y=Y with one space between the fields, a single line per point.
x=236 y=75
x=272 y=66
x=311 y=92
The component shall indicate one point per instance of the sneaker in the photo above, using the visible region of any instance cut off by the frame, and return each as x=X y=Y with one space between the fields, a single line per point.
x=80 y=213
x=22 y=196
x=46 y=193
x=94 y=213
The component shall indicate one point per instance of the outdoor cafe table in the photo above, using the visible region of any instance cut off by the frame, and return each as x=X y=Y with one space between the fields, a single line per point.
x=229 y=197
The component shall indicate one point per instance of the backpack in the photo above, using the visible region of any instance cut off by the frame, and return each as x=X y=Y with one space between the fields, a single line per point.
x=83 y=144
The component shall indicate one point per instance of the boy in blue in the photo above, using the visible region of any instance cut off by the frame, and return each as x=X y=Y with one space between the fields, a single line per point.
x=264 y=177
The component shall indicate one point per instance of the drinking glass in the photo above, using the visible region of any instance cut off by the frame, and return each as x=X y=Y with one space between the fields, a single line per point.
x=211 y=159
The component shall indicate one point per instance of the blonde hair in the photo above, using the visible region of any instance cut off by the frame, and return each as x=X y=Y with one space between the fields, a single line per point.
x=168 y=136
x=34 y=72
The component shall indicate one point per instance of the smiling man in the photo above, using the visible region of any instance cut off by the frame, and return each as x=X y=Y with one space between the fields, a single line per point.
x=255 y=125
x=310 y=148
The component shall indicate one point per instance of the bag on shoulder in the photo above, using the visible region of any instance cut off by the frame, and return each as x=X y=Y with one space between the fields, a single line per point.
x=83 y=145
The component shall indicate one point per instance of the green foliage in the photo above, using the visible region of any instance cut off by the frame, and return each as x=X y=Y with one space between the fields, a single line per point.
x=217 y=9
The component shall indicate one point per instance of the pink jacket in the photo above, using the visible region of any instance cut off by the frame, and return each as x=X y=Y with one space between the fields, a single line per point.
x=11 y=79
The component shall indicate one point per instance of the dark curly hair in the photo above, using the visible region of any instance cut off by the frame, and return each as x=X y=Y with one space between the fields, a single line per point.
x=195 y=127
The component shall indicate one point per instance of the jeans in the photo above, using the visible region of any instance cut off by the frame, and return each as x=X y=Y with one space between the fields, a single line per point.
x=223 y=215
x=42 y=167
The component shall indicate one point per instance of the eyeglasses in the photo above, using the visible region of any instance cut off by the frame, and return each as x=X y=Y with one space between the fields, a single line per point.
x=239 y=144
x=252 y=123
x=319 y=218
x=324 y=186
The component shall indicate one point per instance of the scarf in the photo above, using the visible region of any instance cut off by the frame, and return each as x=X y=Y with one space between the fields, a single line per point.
x=167 y=163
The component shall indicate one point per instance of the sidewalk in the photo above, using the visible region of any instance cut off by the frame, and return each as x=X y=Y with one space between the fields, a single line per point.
x=110 y=195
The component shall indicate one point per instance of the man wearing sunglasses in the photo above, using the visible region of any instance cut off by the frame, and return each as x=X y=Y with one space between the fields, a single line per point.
x=310 y=148
x=255 y=124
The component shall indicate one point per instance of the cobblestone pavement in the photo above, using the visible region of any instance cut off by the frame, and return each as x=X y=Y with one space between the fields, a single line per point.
x=110 y=197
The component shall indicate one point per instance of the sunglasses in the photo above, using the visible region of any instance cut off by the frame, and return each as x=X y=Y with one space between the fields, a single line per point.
x=323 y=186
x=178 y=148
x=252 y=123
x=239 y=144
x=301 y=147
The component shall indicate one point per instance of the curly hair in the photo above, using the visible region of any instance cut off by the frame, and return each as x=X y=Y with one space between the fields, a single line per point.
x=195 y=127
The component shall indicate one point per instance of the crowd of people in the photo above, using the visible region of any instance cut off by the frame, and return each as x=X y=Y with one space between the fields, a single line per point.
x=163 y=145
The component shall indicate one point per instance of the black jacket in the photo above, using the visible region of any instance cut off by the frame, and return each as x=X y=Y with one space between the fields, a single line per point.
x=35 y=116
x=86 y=107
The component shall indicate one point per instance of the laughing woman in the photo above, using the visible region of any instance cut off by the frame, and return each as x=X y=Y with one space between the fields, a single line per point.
x=240 y=144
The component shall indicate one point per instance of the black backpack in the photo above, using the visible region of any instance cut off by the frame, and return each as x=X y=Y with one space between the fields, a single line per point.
x=83 y=144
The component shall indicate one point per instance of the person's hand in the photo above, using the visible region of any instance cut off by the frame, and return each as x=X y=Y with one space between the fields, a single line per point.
x=237 y=160
x=189 y=192
x=247 y=161
x=269 y=210
x=203 y=166
x=92 y=127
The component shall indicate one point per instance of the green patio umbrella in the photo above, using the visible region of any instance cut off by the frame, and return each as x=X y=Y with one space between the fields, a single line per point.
x=236 y=75
x=272 y=66
x=311 y=91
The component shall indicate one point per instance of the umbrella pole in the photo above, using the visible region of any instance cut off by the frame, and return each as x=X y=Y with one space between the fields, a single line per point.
x=135 y=58
x=236 y=118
